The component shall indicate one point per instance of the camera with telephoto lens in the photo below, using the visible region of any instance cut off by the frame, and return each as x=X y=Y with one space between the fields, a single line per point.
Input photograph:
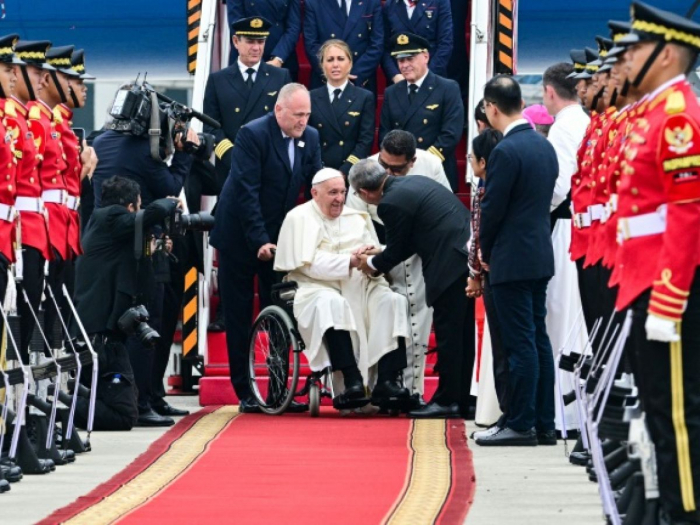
x=134 y=322
x=178 y=223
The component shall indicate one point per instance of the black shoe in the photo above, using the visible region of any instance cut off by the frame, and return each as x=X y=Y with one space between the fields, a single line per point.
x=297 y=408
x=435 y=411
x=507 y=437
x=11 y=473
x=548 y=437
x=579 y=458
x=151 y=419
x=415 y=402
x=167 y=409
x=249 y=406
x=354 y=390
x=4 y=485
x=218 y=324
x=390 y=393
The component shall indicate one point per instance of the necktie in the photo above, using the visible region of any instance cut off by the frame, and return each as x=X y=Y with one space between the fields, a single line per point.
x=412 y=89
x=290 y=151
x=344 y=9
x=336 y=96
x=249 y=80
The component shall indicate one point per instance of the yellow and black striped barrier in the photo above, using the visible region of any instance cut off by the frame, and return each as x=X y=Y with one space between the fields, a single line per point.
x=504 y=43
x=190 y=314
x=194 y=15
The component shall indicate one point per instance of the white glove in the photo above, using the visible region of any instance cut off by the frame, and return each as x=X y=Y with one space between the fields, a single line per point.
x=659 y=329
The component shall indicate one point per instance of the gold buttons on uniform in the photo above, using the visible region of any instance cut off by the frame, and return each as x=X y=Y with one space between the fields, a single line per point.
x=635 y=208
x=347 y=123
x=7 y=177
x=341 y=143
x=332 y=35
x=9 y=187
x=359 y=35
x=425 y=121
x=237 y=110
x=420 y=139
x=602 y=179
x=320 y=125
x=634 y=191
x=31 y=180
x=53 y=180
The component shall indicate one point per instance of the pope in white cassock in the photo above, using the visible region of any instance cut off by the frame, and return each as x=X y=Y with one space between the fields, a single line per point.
x=351 y=322
x=400 y=157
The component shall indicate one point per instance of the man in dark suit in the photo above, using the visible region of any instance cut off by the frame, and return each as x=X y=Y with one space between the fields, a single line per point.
x=285 y=28
x=423 y=217
x=107 y=284
x=516 y=247
x=425 y=104
x=431 y=19
x=275 y=156
x=358 y=23
x=242 y=92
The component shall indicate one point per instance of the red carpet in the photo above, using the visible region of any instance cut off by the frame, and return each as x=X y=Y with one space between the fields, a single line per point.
x=255 y=469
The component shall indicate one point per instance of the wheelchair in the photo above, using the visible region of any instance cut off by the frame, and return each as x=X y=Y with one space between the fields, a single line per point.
x=274 y=361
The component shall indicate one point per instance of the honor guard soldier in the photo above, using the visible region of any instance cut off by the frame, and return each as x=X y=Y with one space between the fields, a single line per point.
x=8 y=163
x=426 y=104
x=578 y=59
x=80 y=157
x=582 y=184
x=285 y=27
x=342 y=113
x=431 y=19
x=242 y=92
x=53 y=171
x=31 y=143
x=659 y=252
x=356 y=22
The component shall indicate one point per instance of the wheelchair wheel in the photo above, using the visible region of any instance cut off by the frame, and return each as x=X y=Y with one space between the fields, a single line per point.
x=273 y=359
x=314 y=400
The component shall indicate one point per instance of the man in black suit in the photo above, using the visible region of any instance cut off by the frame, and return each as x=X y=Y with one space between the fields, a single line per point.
x=426 y=104
x=275 y=156
x=423 y=217
x=516 y=248
x=108 y=283
x=243 y=91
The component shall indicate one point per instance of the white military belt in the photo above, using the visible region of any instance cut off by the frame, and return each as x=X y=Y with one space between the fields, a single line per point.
x=581 y=220
x=596 y=212
x=72 y=202
x=34 y=204
x=610 y=208
x=641 y=225
x=7 y=213
x=55 y=196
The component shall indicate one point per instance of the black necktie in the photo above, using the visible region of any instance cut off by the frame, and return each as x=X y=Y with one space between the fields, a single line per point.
x=344 y=9
x=336 y=96
x=249 y=80
x=412 y=89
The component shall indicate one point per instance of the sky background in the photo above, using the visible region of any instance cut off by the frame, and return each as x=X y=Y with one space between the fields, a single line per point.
x=123 y=37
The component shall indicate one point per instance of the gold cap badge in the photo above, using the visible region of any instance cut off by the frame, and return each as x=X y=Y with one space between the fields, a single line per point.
x=256 y=23
x=402 y=40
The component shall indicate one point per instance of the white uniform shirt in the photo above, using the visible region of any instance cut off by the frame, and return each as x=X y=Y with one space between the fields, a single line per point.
x=566 y=135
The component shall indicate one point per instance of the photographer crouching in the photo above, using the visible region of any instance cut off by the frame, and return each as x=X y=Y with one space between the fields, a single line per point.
x=109 y=286
x=149 y=140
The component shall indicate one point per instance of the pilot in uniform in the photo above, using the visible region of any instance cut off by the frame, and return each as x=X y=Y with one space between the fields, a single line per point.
x=425 y=104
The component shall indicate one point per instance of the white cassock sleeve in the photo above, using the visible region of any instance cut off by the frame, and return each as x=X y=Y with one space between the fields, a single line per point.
x=328 y=266
x=437 y=172
x=565 y=148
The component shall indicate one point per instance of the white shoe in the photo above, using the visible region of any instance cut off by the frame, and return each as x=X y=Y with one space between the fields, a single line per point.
x=484 y=433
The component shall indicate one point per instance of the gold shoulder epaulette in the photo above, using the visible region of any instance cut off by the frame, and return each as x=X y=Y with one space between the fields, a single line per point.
x=35 y=113
x=57 y=116
x=10 y=109
x=675 y=103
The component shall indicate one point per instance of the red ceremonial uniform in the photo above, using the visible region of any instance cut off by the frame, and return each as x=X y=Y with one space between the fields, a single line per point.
x=581 y=187
x=51 y=171
x=599 y=189
x=8 y=187
x=71 y=149
x=659 y=202
x=28 y=150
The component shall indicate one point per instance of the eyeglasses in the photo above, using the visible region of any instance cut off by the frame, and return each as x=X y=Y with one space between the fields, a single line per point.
x=394 y=169
x=470 y=157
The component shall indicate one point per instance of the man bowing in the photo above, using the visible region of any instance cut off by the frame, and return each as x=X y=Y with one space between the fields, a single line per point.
x=275 y=156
